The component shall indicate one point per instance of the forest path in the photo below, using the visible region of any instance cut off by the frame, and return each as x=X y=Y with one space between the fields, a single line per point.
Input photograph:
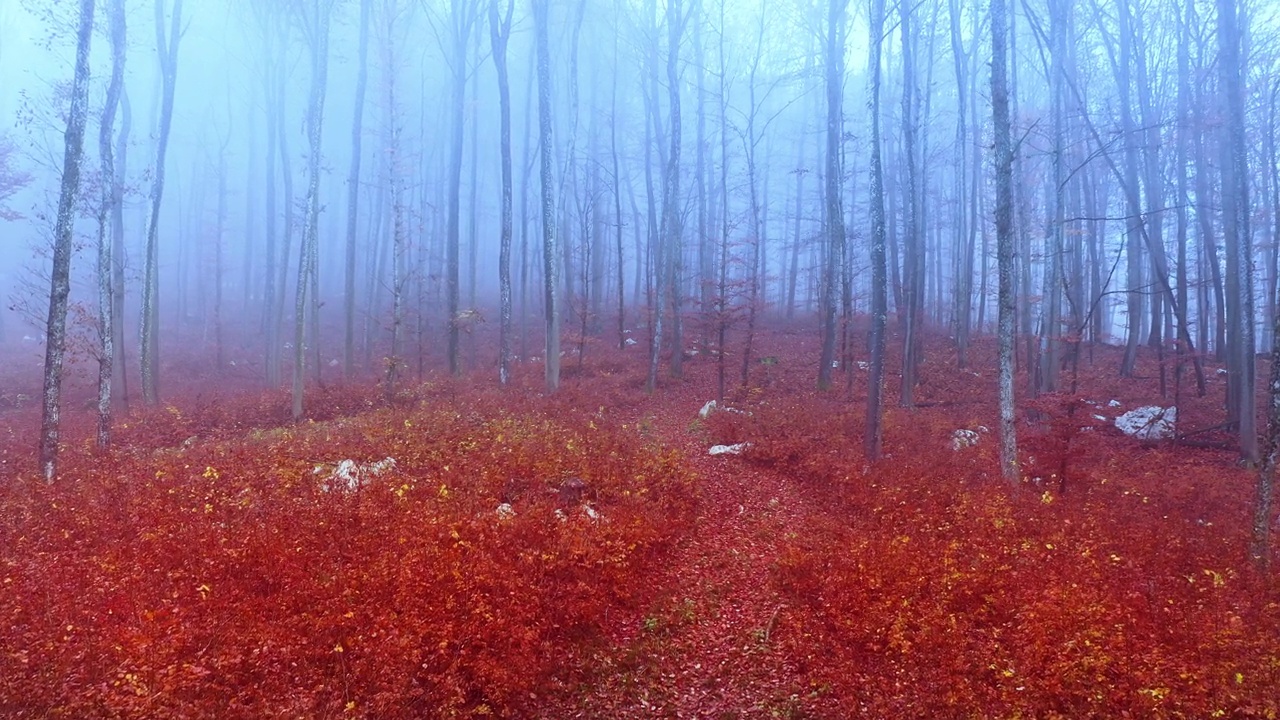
x=708 y=647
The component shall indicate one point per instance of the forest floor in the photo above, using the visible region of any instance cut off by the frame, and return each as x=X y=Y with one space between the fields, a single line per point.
x=706 y=647
x=212 y=564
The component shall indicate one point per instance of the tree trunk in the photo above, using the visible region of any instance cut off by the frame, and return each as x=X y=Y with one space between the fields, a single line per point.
x=111 y=192
x=1236 y=234
x=150 y=350
x=60 y=279
x=551 y=270
x=353 y=200
x=879 y=270
x=1004 y=237
x=319 y=47
x=499 y=32
x=834 y=215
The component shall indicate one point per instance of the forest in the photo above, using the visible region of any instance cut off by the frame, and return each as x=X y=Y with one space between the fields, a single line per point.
x=639 y=358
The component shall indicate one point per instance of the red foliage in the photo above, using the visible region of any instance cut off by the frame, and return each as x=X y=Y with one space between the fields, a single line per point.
x=411 y=597
x=202 y=570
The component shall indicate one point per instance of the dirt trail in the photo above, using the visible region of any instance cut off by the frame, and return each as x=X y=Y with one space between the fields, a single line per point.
x=708 y=649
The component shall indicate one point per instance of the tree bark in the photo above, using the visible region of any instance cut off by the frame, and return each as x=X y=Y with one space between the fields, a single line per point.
x=150 y=350
x=1004 y=237
x=60 y=280
x=879 y=269
x=111 y=192
x=499 y=33
x=551 y=270
x=834 y=215
x=353 y=200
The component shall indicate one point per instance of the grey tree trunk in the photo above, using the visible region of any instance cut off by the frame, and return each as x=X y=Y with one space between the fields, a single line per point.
x=353 y=199
x=461 y=17
x=1004 y=236
x=318 y=41
x=672 y=242
x=119 y=375
x=150 y=350
x=551 y=270
x=60 y=280
x=1236 y=233
x=499 y=33
x=111 y=192
x=834 y=215
x=913 y=281
x=879 y=269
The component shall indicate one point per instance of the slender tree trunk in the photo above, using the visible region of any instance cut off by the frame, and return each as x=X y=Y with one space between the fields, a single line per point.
x=353 y=200
x=60 y=280
x=499 y=32
x=834 y=210
x=879 y=269
x=150 y=351
x=551 y=270
x=461 y=20
x=319 y=47
x=672 y=242
x=1236 y=233
x=111 y=191
x=617 y=199
x=120 y=375
x=1004 y=236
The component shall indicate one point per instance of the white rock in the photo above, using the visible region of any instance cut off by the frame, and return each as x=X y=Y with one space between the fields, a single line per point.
x=728 y=449
x=333 y=363
x=630 y=341
x=590 y=512
x=1150 y=422
x=505 y=511
x=863 y=365
x=707 y=409
x=961 y=439
x=1113 y=403
x=349 y=476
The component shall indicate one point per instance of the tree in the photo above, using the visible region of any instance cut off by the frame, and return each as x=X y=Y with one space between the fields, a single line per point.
x=550 y=269
x=1236 y=235
x=353 y=197
x=461 y=19
x=834 y=215
x=499 y=34
x=1004 y=235
x=110 y=194
x=315 y=21
x=167 y=47
x=60 y=280
x=879 y=269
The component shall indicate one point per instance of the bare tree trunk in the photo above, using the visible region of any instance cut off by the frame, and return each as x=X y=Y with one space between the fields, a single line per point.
x=318 y=31
x=461 y=17
x=879 y=271
x=912 y=314
x=834 y=215
x=499 y=33
x=111 y=192
x=672 y=243
x=60 y=280
x=617 y=198
x=120 y=376
x=551 y=271
x=1236 y=234
x=1004 y=236
x=353 y=200
x=150 y=351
